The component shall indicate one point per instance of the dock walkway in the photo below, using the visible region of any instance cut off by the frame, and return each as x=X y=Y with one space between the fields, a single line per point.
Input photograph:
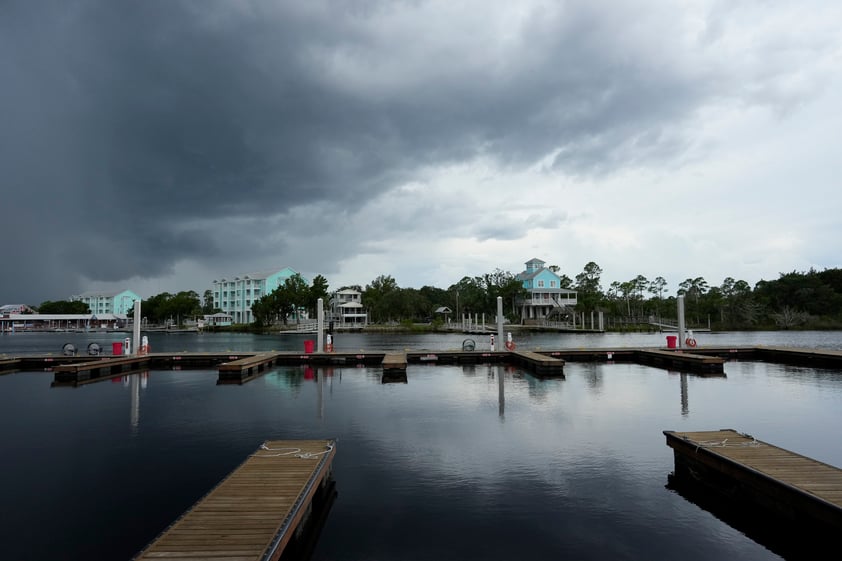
x=541 y=364
x=253 y=513
x=246 y=368
x=793 y=485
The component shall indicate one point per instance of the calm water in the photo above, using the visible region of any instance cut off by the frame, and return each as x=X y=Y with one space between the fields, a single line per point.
x=479 y=462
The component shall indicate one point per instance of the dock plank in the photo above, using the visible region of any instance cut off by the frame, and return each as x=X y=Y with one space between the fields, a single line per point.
x=253 y=512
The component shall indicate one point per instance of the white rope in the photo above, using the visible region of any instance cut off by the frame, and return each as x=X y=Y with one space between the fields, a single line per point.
x=266 y=448
x=294 y=452
x=725 y=444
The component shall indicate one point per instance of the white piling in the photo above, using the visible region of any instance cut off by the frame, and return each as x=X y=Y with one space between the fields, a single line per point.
x=320 y=325
x=680 y=300
x=136 y=326
x=500 y=319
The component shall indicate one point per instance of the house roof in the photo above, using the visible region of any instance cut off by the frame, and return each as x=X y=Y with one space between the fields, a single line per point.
x=350 y=305
x=443 y=310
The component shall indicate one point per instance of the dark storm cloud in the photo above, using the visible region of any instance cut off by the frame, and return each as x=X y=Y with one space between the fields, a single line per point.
x=134 y=131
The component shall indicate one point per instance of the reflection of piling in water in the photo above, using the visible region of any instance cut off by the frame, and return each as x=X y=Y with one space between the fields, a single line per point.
x=501 y=394
x=135 y=408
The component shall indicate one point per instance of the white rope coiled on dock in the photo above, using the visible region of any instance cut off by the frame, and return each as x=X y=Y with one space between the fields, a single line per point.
x=290 y=451
x=725 y=444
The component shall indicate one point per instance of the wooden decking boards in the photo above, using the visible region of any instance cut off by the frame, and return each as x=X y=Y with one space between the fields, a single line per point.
x=252 y=514
x=793 y=485
x=394 y=361
x=539 y=363
x=245 y=368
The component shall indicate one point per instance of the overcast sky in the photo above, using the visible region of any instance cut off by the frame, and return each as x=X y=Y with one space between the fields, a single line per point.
x=159 y=145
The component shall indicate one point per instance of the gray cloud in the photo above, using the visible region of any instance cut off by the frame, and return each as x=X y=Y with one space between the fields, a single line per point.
x=140 y=134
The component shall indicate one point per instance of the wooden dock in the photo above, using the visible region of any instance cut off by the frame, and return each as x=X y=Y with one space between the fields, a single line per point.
x=101 y=368
x=244 y=369
x=394 y=361
x=540 y=364
x=682 y=361
x=253 y=513
x=793 y=486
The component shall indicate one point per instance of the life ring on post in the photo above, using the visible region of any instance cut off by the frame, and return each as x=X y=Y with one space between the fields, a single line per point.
x=510 y=345
x=329 y=347
x=690 y=342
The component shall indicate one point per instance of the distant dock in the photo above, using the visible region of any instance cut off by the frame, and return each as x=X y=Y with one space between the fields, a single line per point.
x=243 y=366
x=253 y=514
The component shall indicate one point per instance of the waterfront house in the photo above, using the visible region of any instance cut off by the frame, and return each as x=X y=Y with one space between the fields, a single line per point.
x=545 y=298
x=347 y=310
x=101 y=303
x=236 y=295
x=219 y=319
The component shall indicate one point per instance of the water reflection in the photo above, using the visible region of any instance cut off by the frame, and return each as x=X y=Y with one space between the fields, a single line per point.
x=792 y=539
x=501 y=394
x=593 y=376
x=135 y=383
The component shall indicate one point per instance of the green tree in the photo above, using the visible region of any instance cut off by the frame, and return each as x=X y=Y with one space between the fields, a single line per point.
x=318 y=289
x=380 y=296
x=588 y=286
x=63 y=307
x=208 y=303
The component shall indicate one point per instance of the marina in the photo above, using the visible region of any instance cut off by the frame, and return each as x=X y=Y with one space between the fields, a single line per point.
x=469 y=447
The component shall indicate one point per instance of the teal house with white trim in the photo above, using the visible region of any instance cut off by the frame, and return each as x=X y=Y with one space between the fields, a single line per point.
x=545 y=298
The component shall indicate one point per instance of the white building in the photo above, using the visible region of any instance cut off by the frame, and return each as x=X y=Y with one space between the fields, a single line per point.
x=347 y=310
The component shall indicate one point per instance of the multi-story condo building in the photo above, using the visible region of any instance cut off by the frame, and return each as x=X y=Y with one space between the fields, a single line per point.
x=118 y=303
x=235 y=296
x=545 y=298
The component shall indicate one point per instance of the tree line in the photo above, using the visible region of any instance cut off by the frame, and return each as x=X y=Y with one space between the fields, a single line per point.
x=795 y=300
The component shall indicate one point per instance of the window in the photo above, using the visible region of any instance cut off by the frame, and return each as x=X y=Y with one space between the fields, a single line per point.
x=540 y=284
x=552 y=284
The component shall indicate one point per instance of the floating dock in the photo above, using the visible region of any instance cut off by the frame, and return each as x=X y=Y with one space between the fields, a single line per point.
x=102 y=368
x=394 y=362
x=238 y=367
x=792 y=486
x=254 y=512
x=541 y=364
x=244 y=369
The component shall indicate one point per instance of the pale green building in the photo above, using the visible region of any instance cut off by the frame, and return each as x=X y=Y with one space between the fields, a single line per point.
x=118 y=303
x=236 y=295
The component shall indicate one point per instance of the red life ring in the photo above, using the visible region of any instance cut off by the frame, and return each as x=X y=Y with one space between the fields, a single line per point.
x=329 y=347
x=511 y=345
x=690 y=342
